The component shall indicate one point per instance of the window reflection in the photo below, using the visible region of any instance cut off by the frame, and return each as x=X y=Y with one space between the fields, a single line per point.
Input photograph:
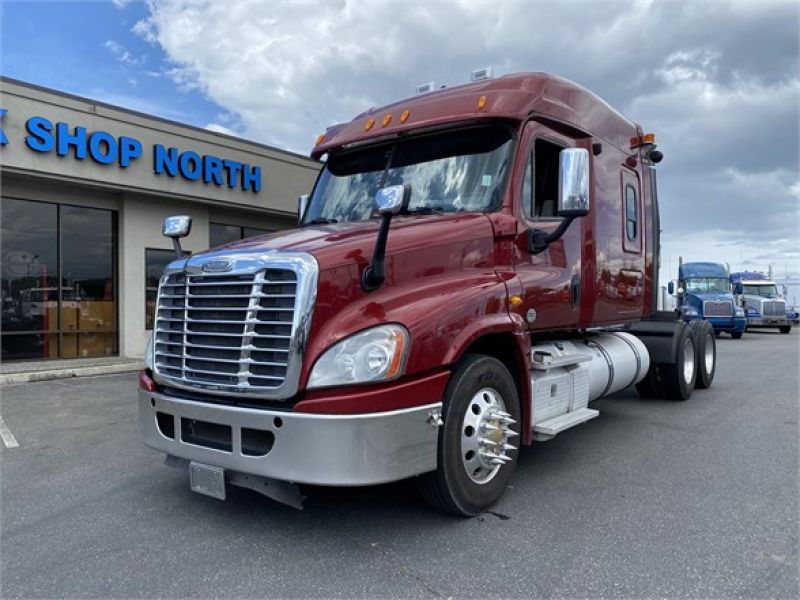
x=57 y=308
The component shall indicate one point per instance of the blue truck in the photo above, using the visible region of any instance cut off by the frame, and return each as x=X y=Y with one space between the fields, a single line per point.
x=762 y=301
x=704 y=292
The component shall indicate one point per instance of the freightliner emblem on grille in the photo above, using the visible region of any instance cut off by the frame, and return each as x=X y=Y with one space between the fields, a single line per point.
x=217 y=266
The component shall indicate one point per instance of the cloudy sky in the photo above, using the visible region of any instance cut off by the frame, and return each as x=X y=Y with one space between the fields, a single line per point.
x=718 y=82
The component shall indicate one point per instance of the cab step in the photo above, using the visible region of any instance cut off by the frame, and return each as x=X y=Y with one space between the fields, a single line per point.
x=549 y=428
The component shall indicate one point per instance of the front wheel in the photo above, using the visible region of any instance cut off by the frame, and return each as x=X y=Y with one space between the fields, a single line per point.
x=478 y=441
x=785 y=328
x=737 y=335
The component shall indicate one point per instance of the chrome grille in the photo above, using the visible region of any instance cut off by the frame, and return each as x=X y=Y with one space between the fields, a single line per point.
x=227 y=333
x=774 y=309
x=718 y=308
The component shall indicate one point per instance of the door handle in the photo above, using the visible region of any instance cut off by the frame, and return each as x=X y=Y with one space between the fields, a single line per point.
x=574 y=290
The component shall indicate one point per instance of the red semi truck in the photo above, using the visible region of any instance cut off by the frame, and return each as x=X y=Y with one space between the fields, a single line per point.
x=473 y=267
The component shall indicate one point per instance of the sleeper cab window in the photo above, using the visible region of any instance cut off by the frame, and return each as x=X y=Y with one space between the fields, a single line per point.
x=540 y=184
x=631 y=214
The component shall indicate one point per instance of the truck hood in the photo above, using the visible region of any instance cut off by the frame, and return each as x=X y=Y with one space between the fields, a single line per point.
x=353 y=243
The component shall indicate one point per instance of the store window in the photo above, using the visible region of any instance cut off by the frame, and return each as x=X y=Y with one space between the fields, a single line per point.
x=58 y=281
x=155 y=261
x=219 y=233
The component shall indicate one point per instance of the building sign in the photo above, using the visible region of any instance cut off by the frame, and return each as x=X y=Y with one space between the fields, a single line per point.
x=106 y=149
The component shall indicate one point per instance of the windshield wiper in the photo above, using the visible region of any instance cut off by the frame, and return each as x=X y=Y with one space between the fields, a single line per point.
x=321 y=221
x=425 y=210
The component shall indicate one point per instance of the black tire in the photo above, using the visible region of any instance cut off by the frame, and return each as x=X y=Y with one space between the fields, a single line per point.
x=450 y=488
x=737 y=335
x=677 y=378
x=705 y=355
x=785 y=328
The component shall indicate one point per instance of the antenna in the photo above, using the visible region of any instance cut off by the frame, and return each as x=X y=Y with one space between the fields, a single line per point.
x=481 y=74
x=424 y=88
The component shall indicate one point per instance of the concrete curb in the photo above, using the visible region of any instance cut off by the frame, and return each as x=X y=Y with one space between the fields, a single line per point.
x=31 y=376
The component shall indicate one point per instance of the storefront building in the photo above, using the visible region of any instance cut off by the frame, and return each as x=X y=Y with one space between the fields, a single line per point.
x=85 y=187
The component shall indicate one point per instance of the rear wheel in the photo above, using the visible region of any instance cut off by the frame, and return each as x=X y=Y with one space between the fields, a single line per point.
x=678 y=378
x=785 y=328
x=477 y=451
x=706 y=352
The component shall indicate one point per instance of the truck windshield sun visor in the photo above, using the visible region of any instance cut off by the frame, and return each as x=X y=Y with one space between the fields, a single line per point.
x=459 y=170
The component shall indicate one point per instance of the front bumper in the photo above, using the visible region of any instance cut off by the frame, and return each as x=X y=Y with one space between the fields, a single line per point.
x=361 y=449
x=768 y=321
x=728 y=324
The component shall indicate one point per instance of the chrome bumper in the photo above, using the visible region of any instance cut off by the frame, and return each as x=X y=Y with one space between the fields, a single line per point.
x=319 y=449
x=768 y=321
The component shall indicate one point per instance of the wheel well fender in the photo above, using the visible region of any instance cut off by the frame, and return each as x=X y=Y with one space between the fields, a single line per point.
x=513 y=350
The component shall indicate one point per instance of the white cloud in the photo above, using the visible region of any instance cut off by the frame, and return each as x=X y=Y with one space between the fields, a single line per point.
x=125 y=57
x=717 y=82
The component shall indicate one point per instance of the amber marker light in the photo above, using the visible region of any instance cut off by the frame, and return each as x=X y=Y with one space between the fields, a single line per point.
x=369 y=124
x=481 y=102
x=320 y=139
x=386 y=120
x=649 y=138
x=514 y=301
x=404 y=116
x=399 y=354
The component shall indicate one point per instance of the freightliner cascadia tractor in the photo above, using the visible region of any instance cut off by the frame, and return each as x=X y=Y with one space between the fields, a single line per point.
x=472 y=268
x=704 y=292
x=761 y=300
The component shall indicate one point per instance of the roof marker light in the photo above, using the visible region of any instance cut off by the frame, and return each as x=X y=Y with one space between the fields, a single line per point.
x=320 y=139
x=369 y=124
x=404 y=116
x=386 y=120
x=481 y=102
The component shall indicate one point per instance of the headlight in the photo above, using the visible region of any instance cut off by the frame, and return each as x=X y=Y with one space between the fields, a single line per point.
x=377 y=354
x=739 y=312
x=148 y=353
x=690 y=311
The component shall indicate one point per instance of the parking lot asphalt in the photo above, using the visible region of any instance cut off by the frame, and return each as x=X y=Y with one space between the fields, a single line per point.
x=652 y=499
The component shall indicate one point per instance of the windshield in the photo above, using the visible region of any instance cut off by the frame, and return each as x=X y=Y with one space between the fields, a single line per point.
x=767 y=290
x=452 y=171
x=708 y=285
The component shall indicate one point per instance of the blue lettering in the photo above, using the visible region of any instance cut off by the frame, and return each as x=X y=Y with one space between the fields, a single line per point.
x=233 y=171
x=212 y=170
x=97 y=141
x=163 y=158
x=251 y=176
x=41 y=134
x=191 y=165
x=64 y=139
x=129 y=149
x=3 y=138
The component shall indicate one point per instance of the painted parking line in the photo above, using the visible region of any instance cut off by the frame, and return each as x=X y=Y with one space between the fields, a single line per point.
x=8 y=438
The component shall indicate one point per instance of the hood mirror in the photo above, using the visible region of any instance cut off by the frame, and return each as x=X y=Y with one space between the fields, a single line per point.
x=392 y=199
x=177 y=227
x=671 y=288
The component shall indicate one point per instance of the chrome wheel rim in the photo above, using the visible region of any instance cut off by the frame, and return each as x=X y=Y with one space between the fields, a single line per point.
x=485 y=433
x=688 y=361
x=709 y=355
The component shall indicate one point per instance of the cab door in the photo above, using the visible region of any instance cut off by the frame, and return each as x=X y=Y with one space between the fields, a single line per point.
x=551 y=279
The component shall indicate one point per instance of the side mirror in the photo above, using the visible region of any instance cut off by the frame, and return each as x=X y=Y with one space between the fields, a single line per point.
x=573 y=189
x=783 y=289
x=392 y=199
x=302 y=205
x=177 y=227
x=738 y=288
x=671 y=288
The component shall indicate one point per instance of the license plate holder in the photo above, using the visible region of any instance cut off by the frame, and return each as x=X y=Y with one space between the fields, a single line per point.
x=207 y=480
